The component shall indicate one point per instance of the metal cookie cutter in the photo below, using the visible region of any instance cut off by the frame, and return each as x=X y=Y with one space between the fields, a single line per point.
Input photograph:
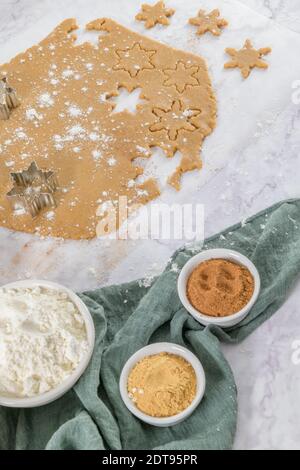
x=8 y=99
x=33 y=190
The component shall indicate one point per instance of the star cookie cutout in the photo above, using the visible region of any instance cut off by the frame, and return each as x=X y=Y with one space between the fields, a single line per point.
x=181 y=77
x=174 y=120
x=154 y=14
x=247 y=58
x=209 y=22
x=134 y=60
x=33 y=189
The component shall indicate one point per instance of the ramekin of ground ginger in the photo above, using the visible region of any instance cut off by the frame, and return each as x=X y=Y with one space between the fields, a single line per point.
x=219 y=286
x=162 y=384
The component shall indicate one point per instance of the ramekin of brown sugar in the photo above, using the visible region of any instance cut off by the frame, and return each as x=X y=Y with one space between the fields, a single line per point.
x=219 y=287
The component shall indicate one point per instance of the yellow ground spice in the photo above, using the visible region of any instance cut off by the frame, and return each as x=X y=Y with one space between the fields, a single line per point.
x=219 y=287
x=162 y=385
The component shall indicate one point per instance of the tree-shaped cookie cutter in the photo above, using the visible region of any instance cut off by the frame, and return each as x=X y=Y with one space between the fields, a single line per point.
x=8 y=99
x=33 y=190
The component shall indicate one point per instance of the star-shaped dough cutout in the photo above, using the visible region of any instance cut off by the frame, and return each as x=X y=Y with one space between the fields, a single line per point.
x=181 y=76
x=174 y=120
x=247 y=58
x=134 y=60
x=209 y=22
x=154 y=14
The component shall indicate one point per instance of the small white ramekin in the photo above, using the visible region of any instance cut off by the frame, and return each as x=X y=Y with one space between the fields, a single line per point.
x=230 y=255
x=150 y=350
x=54 y=394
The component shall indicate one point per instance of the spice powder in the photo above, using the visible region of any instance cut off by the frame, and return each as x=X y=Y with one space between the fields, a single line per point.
x=219 y=287
x=162 y=385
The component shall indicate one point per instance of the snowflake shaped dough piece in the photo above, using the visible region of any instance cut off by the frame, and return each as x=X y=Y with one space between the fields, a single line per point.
x=181 y=77
x=209 y=22
x=154 y=14
x=247 y=58
x=174 y=120
x=134 y=60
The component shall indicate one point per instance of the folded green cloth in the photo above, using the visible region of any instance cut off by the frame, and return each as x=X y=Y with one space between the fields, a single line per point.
x=130 y=316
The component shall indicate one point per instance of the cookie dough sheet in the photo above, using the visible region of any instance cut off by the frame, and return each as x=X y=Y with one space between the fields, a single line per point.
x=66 y=122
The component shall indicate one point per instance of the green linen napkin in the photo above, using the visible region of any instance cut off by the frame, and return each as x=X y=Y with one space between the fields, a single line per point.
x=130 y=316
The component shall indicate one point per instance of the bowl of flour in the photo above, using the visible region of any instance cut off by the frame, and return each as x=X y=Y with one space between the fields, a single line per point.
x=47 y=337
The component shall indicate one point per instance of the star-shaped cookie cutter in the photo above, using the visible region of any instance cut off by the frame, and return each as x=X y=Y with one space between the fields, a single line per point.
x=33 y=190
x=8 y=99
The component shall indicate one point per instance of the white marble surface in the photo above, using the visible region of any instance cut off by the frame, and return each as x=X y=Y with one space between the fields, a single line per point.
x=285 y=12
x=250 y=162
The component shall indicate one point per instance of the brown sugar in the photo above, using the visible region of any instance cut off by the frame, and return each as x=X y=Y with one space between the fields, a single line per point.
x=219 y=287
x=162 y=385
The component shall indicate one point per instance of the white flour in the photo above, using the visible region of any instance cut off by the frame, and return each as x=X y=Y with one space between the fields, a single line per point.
x=42 y=340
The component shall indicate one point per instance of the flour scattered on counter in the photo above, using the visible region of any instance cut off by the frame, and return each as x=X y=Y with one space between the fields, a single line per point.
x=43 y=338
x=130 y=184
x=32 y=114
x=19 y=210
x=146 y=282
x=74 y=111
x=96 y=154
x=50 y=215
x=112 y=161
x=92 y=271
x=45 y=100
x=175 y=268
x=67 y=73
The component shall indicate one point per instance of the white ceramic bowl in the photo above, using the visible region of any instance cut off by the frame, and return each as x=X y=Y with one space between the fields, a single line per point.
x=150 y=350
x=231 y=255
x=67 y=384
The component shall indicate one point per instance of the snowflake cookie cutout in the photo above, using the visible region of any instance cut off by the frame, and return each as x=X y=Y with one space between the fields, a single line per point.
x=134 y=60
x=174 y=120
x=182 y=76
x=209 y=22
x=247 y=58
x=154 y=14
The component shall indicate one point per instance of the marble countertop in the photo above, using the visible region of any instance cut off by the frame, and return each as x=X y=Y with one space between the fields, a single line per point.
x=250 y=162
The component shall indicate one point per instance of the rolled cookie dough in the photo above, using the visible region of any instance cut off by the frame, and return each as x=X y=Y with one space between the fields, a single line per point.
x=66 y=122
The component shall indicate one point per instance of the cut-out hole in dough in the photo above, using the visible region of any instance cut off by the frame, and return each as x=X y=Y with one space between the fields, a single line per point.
x=126 y=101
x=158 y=166
x=84 y=36
x=182 y=76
